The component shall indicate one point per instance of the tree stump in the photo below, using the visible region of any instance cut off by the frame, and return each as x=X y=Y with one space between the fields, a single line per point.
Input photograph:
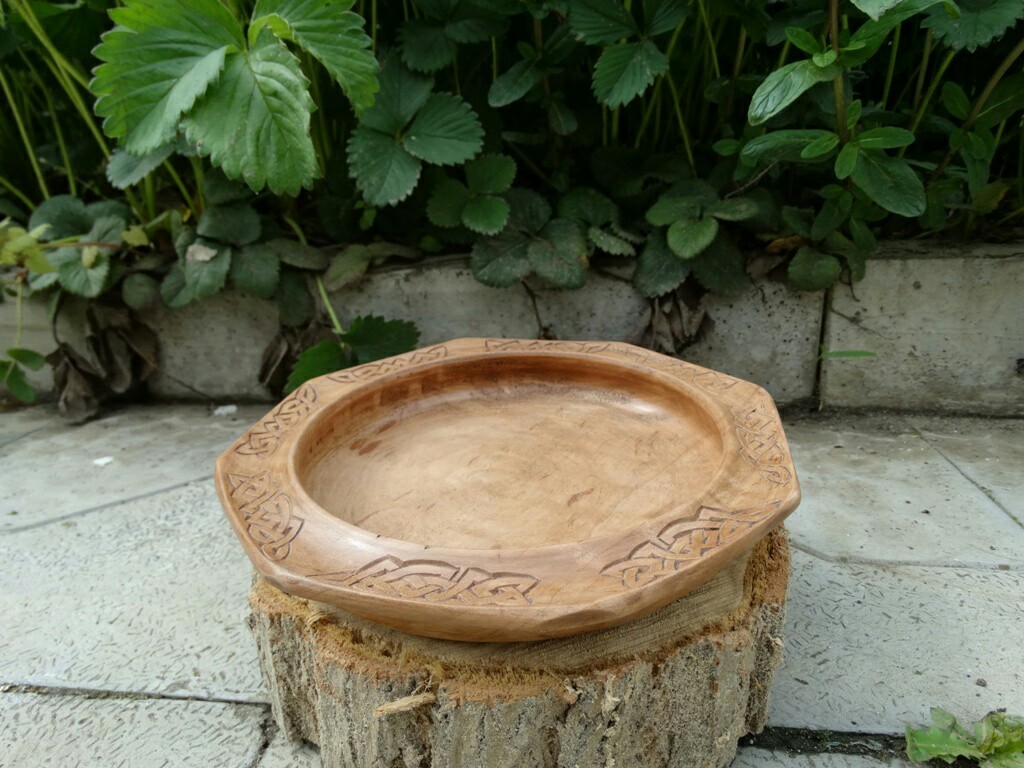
x=676 y=688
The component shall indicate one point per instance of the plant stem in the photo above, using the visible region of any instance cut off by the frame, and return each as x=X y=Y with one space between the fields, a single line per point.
x=373 y=26
x=932 y=87
x=923 y=72
x=17 y=193
x=683 y=132
x=656 y=96
x=892 y=65
x=837 y=81
x=979 y=103
x=17 y=313
x=338 y=328
x=710 y=37
x=23 y=132
x=182 y=189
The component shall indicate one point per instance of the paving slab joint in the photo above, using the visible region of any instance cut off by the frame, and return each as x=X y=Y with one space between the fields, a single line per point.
x=802 y=741
x=101 y=693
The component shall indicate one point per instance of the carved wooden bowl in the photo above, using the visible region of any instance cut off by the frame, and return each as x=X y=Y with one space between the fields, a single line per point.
x=496 y=490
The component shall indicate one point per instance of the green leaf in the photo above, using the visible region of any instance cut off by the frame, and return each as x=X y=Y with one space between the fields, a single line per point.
x=1006 y=99
x=347 y=267
x=558 y=254
x=562 y=119
x=425 y=46
x=402 y=95
x=447 y=202
x=588 y=206
x=668 y=209
x=722 y=268
x=733 y=209
x=331 y=34
x=862 y=235
x=955 y=100
x=515 y=84
x=157 y=62
x=978 y=24
x=884 y=138
x=445 y=131
x=125 y=170
x=218 y=189
x=780 y=146
x=530 y=211
x=254 y=269
x=846 y=162
x=173 y=289
x=820 y=148
x=658 y=270
x=889 y=182
x=831 y=216
x=502 y=260
x=812 y=270
x=75 y=277
x=875 y=8
x=12 y=377
x=784 y=86
x=601 y=21
x=255 y=123
x=63 y=215
x=299 y=255
x=689 y=237
x=206 y=268
x=31 y=360
x=236 y=223
x=374 y=338
x=929 y=743
x=804 y=40
x=866 y=41
x=626 y=70
x=661 y=16
x=490 y=174
x=486 y=214
x=384 y=172
x=295 y=304
x=326 y=357
x=610 y=243
x=140 y=290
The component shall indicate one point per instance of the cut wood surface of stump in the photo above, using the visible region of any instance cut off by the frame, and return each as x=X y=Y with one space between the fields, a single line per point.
x=676 y=688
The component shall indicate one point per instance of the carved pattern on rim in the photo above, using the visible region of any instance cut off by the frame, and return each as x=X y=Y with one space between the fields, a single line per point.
x=263 y=439
x=373 y=370
x=683 y=541
x=512 y=345
x=759 y=431
x=436 y=582
x=267 y=511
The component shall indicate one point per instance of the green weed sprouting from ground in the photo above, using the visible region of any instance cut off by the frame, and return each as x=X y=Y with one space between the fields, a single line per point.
x=995 y=741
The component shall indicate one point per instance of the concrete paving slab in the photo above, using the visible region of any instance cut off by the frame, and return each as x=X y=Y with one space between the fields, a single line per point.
x=989 y=452
x=872 y=648
x=286 y=754
x=53 y=473
x=878 y=491
x=148 y=596
x=768 y=334
x=764 y=758
x=946 y=326
x=24 y=420
x=54 y=731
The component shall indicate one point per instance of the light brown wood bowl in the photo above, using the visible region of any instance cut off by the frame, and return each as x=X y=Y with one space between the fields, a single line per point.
x=497 y=489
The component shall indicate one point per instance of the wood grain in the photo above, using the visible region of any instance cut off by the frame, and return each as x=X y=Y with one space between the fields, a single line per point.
x=502 y=489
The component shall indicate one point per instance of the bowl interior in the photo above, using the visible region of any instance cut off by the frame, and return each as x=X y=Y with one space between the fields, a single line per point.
x=509 y=452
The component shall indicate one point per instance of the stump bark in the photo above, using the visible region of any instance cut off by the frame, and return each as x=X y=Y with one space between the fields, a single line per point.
x=675 y=689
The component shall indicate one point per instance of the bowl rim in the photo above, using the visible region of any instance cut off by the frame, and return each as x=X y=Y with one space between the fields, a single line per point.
x=515 y=593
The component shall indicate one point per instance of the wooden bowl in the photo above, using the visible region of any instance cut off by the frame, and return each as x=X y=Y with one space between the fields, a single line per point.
x=496 y=490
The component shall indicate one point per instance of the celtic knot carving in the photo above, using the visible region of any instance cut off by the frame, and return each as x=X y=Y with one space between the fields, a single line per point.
x=373 y=370
x=682 y=541
x=267 y=511
x=263 y=439
x=436 y=582
x=760 y=430
x=511 y=345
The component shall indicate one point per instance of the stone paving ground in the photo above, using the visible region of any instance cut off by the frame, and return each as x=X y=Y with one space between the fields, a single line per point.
x=122 y=642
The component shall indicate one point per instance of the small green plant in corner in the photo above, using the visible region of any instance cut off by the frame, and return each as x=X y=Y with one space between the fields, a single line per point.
x=995 y=741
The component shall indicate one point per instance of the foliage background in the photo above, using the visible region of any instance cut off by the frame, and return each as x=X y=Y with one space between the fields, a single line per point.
x=159 y=152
